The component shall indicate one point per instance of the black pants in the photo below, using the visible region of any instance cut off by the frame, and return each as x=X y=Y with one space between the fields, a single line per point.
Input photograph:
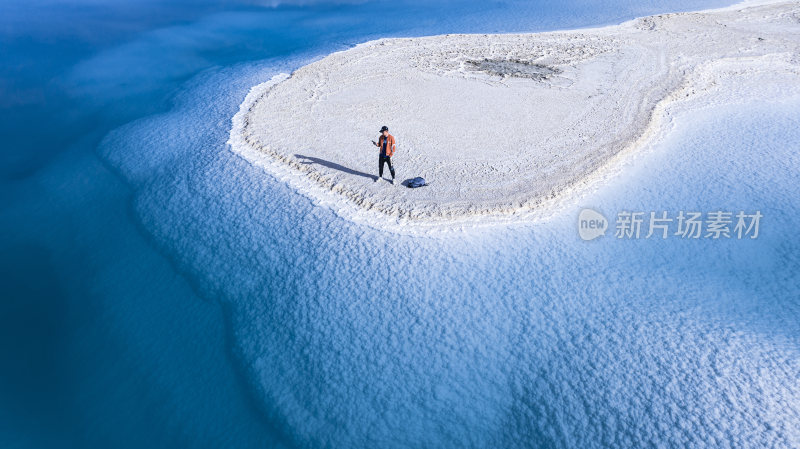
x=385 y=159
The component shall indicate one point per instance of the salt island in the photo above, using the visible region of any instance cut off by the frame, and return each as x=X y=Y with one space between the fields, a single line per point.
x=504 y=124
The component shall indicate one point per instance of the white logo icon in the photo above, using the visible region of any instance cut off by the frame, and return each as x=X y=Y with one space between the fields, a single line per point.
x=591 y=224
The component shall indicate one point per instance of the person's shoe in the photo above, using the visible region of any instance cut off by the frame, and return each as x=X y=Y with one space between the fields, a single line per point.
x=378 y=179
x=392 y=181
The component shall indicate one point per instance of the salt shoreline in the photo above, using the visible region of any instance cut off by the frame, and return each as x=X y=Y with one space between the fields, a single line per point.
x=584 y=101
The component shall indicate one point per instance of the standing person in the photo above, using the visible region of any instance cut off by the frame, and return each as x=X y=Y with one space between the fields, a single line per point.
x=387 y=145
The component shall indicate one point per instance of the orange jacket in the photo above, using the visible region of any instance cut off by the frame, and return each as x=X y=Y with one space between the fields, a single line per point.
x=390 y=146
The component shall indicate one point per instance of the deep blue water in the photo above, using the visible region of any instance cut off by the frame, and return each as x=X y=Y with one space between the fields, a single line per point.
x=144 y=308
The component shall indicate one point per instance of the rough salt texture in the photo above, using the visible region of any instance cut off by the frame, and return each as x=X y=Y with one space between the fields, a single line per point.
x=498 y=124
x=523 y=337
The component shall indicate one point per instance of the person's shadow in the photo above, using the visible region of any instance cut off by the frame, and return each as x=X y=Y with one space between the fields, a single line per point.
x=333 y=165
